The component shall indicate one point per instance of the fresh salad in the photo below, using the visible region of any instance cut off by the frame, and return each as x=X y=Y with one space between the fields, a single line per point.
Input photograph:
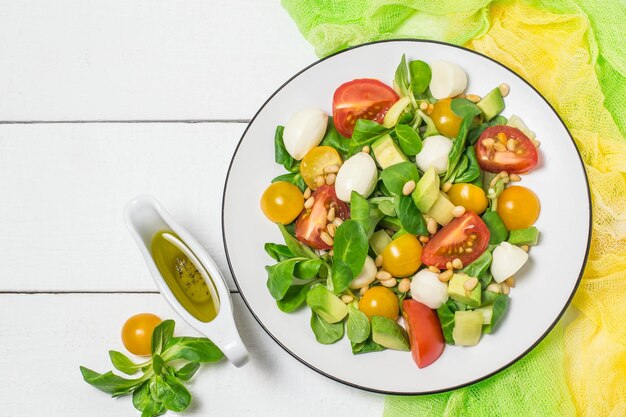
x=403 y=222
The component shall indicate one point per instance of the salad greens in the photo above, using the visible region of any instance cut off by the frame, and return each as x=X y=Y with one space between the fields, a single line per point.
x=174 y=361
x=339 y=250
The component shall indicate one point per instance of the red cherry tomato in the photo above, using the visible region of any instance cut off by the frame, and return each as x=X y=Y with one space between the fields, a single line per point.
x=312 y=222
x=521 y=159
x=425 y=334
x=361 y=99
x=465 y=237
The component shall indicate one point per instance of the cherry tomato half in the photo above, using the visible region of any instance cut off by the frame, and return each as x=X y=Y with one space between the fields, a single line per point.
x=281 y=202
x=446 y=121
x=470 y=196
x=364 y=98
x=313 y=221
x=518 y=207
x=314 y=162
x=402 y=256
x=380 y=301
x=137 y=333
x=522 y=159
x=465 y=237
x=425 y=334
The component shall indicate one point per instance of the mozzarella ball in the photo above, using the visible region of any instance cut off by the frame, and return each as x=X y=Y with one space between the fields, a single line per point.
x=428 y=290
x=435 y=151
x=304 y=131
x=366 y=276
x=448 y=80
x=358 y=174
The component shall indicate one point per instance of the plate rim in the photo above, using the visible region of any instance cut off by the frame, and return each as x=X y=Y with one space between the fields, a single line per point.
x=455 y=387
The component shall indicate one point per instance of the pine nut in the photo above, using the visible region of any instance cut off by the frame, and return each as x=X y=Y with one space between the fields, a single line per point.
x=379 y=261
x=488 y=142
x=363 y=290
x=338 y=221
x=347 y=299
x=511 y=144
x=461 y=95
x=404 y=285
x=431 y=226
x=445 y=276
x=446 y=187
x=499 y=147
x=510 y=281
x=449 y=265
x=330 y=179
x=525 y=248
x=408 y=187
x=423 y=106
x=327 y=238
x=331 y=229
x=503 y=174
x=383 y=275
x=504 y=89
x=307 y=193
x=457 y=264
x=430 y=109
x=331 y=253
x=331 y=169
x=331 y=214
x=424 y=239
x=515 y=178
x=470 y=284
x=505 y=288
x=494 y=288
x=365 y=149
x=319 y=181
x=309 y=203
x=389 y=283
x=434 y=269
x=473 y=98
x=458 y=211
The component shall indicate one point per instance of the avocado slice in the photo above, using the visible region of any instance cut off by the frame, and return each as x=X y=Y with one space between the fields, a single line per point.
x=387 y=152
x=492 y=104
x=326 y=304
x=389 y=334
x=468 y=327
x=528 y=236
x=379 y=241
x=487 y=313
x=517 y=122
x=395 y=111
x=427 y=190
x=457 y=292
x=441 y=210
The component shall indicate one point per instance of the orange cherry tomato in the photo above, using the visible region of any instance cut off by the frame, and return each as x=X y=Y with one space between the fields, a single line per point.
x=281 y=202
x=470 y=196
x=446 y=121
x=314 y=162
x=137 y=333
x=402 y=257
x=380 y=301
x=518 y=207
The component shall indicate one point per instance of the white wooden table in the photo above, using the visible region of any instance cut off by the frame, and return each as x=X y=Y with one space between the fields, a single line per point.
x=97 y=98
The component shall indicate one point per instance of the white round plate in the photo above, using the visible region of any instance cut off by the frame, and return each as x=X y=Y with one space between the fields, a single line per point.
x=544 y=288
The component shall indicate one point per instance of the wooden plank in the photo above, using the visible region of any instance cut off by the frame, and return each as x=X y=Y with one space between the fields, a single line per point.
x=144 y=59
x=51 y=335
x=64 y=188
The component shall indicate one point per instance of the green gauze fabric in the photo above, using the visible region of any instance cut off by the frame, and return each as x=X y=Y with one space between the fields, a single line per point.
x=574 y=53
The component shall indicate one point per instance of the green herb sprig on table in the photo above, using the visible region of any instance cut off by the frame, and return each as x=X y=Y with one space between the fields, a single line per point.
x=161 y=387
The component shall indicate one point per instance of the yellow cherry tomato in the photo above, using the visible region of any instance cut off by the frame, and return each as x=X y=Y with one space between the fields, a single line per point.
x=281 y=202
x=314 y=162
x=446 y=121
x=470 y=196
x=518 y=207
x=137 y=333
x=403 y=256
x=380 y=301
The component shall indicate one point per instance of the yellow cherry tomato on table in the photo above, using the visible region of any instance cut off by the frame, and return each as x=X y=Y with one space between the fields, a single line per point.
x=518 y=207
x=403 y=256
x=281 y=202
x=446 y=121
x=470 y=196
x=380 y=301
x=137 y=333
x=314 y=162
